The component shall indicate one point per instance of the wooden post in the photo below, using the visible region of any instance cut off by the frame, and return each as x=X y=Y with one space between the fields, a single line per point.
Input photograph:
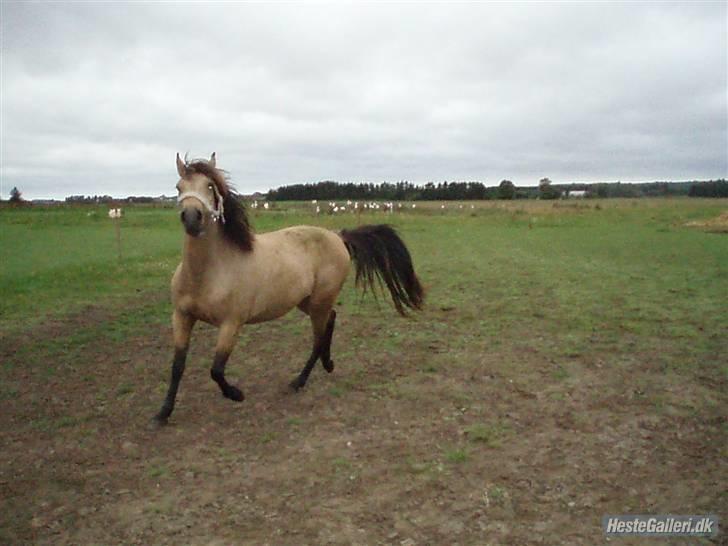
x=117 y=226
x=115 y=215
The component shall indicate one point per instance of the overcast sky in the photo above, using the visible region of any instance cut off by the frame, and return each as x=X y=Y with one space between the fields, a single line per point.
x=98 y=97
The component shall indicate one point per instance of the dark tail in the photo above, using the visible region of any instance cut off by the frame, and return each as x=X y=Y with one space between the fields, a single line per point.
x=378 y=253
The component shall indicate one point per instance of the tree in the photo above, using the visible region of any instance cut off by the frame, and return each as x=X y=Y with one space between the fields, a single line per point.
x=506 y=190
x=711 y=188
x=599 y=190
x=16 y=196
x=546 y=190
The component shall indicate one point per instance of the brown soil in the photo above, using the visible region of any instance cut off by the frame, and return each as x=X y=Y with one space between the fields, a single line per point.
x=386 y=450
x=718 y=224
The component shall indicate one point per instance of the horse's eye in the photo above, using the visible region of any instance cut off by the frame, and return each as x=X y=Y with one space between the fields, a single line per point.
x=209 y=187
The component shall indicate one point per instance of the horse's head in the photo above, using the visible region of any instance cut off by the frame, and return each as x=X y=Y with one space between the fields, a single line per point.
x=200 y=195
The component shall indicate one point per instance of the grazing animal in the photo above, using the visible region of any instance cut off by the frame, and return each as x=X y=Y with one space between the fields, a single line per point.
x=230 y=276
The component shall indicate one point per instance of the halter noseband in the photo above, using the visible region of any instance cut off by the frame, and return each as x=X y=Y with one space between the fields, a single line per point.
x=217 y=213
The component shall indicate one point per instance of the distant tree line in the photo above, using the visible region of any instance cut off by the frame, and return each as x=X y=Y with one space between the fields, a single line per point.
x=451 y=191
x=88 y=199
x=97 y=199
x=714 y=188
x=400 y=191
x=448 y=191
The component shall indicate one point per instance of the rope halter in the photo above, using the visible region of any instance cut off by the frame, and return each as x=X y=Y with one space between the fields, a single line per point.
x=217 y=213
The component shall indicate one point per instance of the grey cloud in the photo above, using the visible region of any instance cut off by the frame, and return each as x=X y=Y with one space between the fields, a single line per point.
x=97 y=98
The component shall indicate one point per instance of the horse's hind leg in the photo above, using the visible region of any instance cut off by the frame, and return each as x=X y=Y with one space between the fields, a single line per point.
x=225 y=343
x=319 y=320
x=326 y=361
x=182 y=326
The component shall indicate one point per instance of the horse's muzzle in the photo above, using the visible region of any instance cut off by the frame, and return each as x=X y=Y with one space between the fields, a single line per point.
x=192 y=220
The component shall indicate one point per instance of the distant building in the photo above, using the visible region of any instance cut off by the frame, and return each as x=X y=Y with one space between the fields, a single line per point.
x=577 y=194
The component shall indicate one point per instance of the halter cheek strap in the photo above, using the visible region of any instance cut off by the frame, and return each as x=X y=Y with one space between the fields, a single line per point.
x=217 y=213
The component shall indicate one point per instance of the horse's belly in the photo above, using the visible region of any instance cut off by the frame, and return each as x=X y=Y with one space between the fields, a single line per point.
x=276 y=302
x=269 y=314
x=275 y=309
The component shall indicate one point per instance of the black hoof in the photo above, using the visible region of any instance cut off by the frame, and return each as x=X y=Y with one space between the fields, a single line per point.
x=329 y=366
x=234 y=393
x=296 y=385
x=158 y=421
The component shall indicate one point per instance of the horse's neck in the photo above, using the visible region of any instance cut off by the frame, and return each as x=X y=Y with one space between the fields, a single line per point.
x=200 y=254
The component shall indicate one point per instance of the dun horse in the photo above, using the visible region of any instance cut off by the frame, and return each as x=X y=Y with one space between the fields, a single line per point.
x=230 y=277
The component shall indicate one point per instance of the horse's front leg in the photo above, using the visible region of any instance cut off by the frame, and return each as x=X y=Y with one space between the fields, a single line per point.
x=182 y=327
x=225 y=343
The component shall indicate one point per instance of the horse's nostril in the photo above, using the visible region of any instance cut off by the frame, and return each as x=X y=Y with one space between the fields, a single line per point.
x=191 y=215
x=192 y=219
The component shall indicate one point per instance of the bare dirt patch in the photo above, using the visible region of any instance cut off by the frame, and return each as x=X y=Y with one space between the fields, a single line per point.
x=420 y=441
x=718 y=224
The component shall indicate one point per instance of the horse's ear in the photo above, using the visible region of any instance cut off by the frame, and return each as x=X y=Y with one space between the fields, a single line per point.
x=213 y=160
x=181 y=169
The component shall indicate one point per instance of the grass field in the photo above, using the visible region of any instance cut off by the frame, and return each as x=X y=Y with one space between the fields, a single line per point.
x=571 y=362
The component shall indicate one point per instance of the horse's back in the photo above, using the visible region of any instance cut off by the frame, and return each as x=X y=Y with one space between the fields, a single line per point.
x=309 y=242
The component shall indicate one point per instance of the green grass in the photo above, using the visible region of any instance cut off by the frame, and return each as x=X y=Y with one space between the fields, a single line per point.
x=157 y=470
x=124 y=388
x=456 y=455
x=496 y=495
x=267 y=437
x=341 y=463
x=336 y=391
x=490 y=434
x=45 y=424
x=57 y=260
x=624 y=279
x=544 y=326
